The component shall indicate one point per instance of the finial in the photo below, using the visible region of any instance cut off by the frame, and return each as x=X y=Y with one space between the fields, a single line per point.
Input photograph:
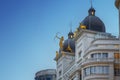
x=91 y=11
x=70 y=34
x=71 y=27
x=91 y=3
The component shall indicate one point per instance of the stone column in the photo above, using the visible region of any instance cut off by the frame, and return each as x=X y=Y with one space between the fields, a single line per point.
x=82 y=72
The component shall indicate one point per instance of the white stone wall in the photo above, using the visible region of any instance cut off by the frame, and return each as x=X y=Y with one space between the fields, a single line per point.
x=88 y=43
x=82 y=44
x=63 y=64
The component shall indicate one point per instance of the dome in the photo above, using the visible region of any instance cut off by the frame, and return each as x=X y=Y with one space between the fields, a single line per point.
x=69 y=44
x=93 y=22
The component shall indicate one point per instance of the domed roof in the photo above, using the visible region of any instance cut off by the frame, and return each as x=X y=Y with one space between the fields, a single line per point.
x=69 y=44
x=93 y=22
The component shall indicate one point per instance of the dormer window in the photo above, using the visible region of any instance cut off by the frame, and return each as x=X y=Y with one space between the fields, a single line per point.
x=71 y=36
x=92 y=13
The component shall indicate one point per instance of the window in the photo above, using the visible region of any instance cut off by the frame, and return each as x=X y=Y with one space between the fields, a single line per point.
x=117 y=69
x=41 y=78
x=60 y=72
x=96 y=70
x=92 y=70
x=99 y=55
x=116 y=55
x=100 y=69
x=117 y=72
x=94 y=55
x=117 y=65
x=88 y=71
x=48 y=79
x=105 y=55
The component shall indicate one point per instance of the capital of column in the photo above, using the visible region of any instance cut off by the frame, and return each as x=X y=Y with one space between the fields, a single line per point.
x=117 y=3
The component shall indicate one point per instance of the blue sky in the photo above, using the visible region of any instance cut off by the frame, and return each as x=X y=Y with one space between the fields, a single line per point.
x=28 y=27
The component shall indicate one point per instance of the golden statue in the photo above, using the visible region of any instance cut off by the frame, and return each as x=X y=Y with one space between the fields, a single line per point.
x=61 y=42
x=57 y=54
x=69 y=48
x=82 y=26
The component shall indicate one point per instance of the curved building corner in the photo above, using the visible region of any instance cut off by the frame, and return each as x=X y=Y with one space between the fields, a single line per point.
x=47 y=74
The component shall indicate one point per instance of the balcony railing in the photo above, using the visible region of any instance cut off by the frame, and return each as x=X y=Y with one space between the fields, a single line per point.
x=97 y=60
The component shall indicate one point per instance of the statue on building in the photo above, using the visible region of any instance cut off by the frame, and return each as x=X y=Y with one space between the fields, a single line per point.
x=61 y=41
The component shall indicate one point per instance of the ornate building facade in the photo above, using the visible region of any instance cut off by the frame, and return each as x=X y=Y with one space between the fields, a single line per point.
x=89 y=53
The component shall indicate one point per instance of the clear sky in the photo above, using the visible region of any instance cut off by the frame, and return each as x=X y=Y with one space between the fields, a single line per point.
x=28 y=27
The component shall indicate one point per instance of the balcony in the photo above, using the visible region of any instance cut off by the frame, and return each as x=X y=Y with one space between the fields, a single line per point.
x=101 y=47
x=97 y=60
x=97 y=76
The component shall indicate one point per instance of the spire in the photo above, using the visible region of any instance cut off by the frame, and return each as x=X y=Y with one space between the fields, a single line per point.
x=70 y=34
x=91 y=3
x=71 y=27
x=91 y=11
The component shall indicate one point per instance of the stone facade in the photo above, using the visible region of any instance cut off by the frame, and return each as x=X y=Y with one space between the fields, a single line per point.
x=94 y=59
